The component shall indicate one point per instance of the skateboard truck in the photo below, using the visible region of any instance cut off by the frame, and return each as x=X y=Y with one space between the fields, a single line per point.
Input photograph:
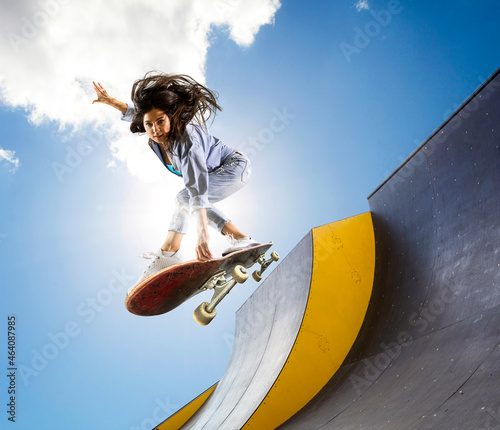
x=206 y=312
x=214 y=280
x=221 y=285
x=264 y=264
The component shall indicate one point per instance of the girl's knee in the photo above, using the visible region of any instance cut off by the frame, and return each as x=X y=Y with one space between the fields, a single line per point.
x=182 y=200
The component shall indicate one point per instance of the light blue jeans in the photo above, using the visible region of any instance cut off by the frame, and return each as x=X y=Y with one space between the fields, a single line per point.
x=224 y=181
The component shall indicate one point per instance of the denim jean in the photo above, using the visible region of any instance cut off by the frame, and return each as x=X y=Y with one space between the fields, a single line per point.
x=223 y=181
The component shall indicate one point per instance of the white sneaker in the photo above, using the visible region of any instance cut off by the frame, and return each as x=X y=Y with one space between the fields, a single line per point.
x=159 y=260
x=239 y=244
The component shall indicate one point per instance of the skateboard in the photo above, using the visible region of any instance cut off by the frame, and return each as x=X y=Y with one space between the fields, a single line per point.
x=172 y=286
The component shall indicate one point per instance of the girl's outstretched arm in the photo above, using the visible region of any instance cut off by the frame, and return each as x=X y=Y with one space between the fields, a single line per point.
x=104 y=97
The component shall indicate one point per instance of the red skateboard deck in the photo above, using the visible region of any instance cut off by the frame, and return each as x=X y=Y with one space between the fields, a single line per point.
x=170 y=287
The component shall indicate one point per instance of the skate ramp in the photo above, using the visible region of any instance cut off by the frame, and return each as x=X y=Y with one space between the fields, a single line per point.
x=427 y=354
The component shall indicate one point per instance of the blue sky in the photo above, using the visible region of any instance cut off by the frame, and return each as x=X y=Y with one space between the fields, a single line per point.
x=81 y=199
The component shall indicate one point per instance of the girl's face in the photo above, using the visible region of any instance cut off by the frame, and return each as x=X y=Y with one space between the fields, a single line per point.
x=157 y=125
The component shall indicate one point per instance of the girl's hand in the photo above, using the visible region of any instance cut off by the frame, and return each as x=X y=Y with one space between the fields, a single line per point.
x=102 y=94
x=202 y=249
x=104 y=97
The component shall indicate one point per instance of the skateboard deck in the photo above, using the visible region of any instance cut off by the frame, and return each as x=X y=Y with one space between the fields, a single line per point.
x=170 y=287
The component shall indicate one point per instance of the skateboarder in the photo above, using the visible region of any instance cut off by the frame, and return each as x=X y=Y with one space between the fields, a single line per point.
x=172 y=110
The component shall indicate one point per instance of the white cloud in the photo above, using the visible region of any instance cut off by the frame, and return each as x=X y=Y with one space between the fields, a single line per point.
x=362 y=5
x=10 y=157
x=53 y=49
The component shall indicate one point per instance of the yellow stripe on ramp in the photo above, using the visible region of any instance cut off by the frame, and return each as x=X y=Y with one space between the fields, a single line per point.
x=341 y=286
x=177 y=420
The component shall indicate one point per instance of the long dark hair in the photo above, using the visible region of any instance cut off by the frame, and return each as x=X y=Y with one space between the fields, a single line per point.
x=179 y=96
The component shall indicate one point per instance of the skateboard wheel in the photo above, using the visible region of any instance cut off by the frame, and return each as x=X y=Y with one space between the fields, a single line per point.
x=202 y=316
x=257 y=276
x=275 y=256
x=240 y=274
